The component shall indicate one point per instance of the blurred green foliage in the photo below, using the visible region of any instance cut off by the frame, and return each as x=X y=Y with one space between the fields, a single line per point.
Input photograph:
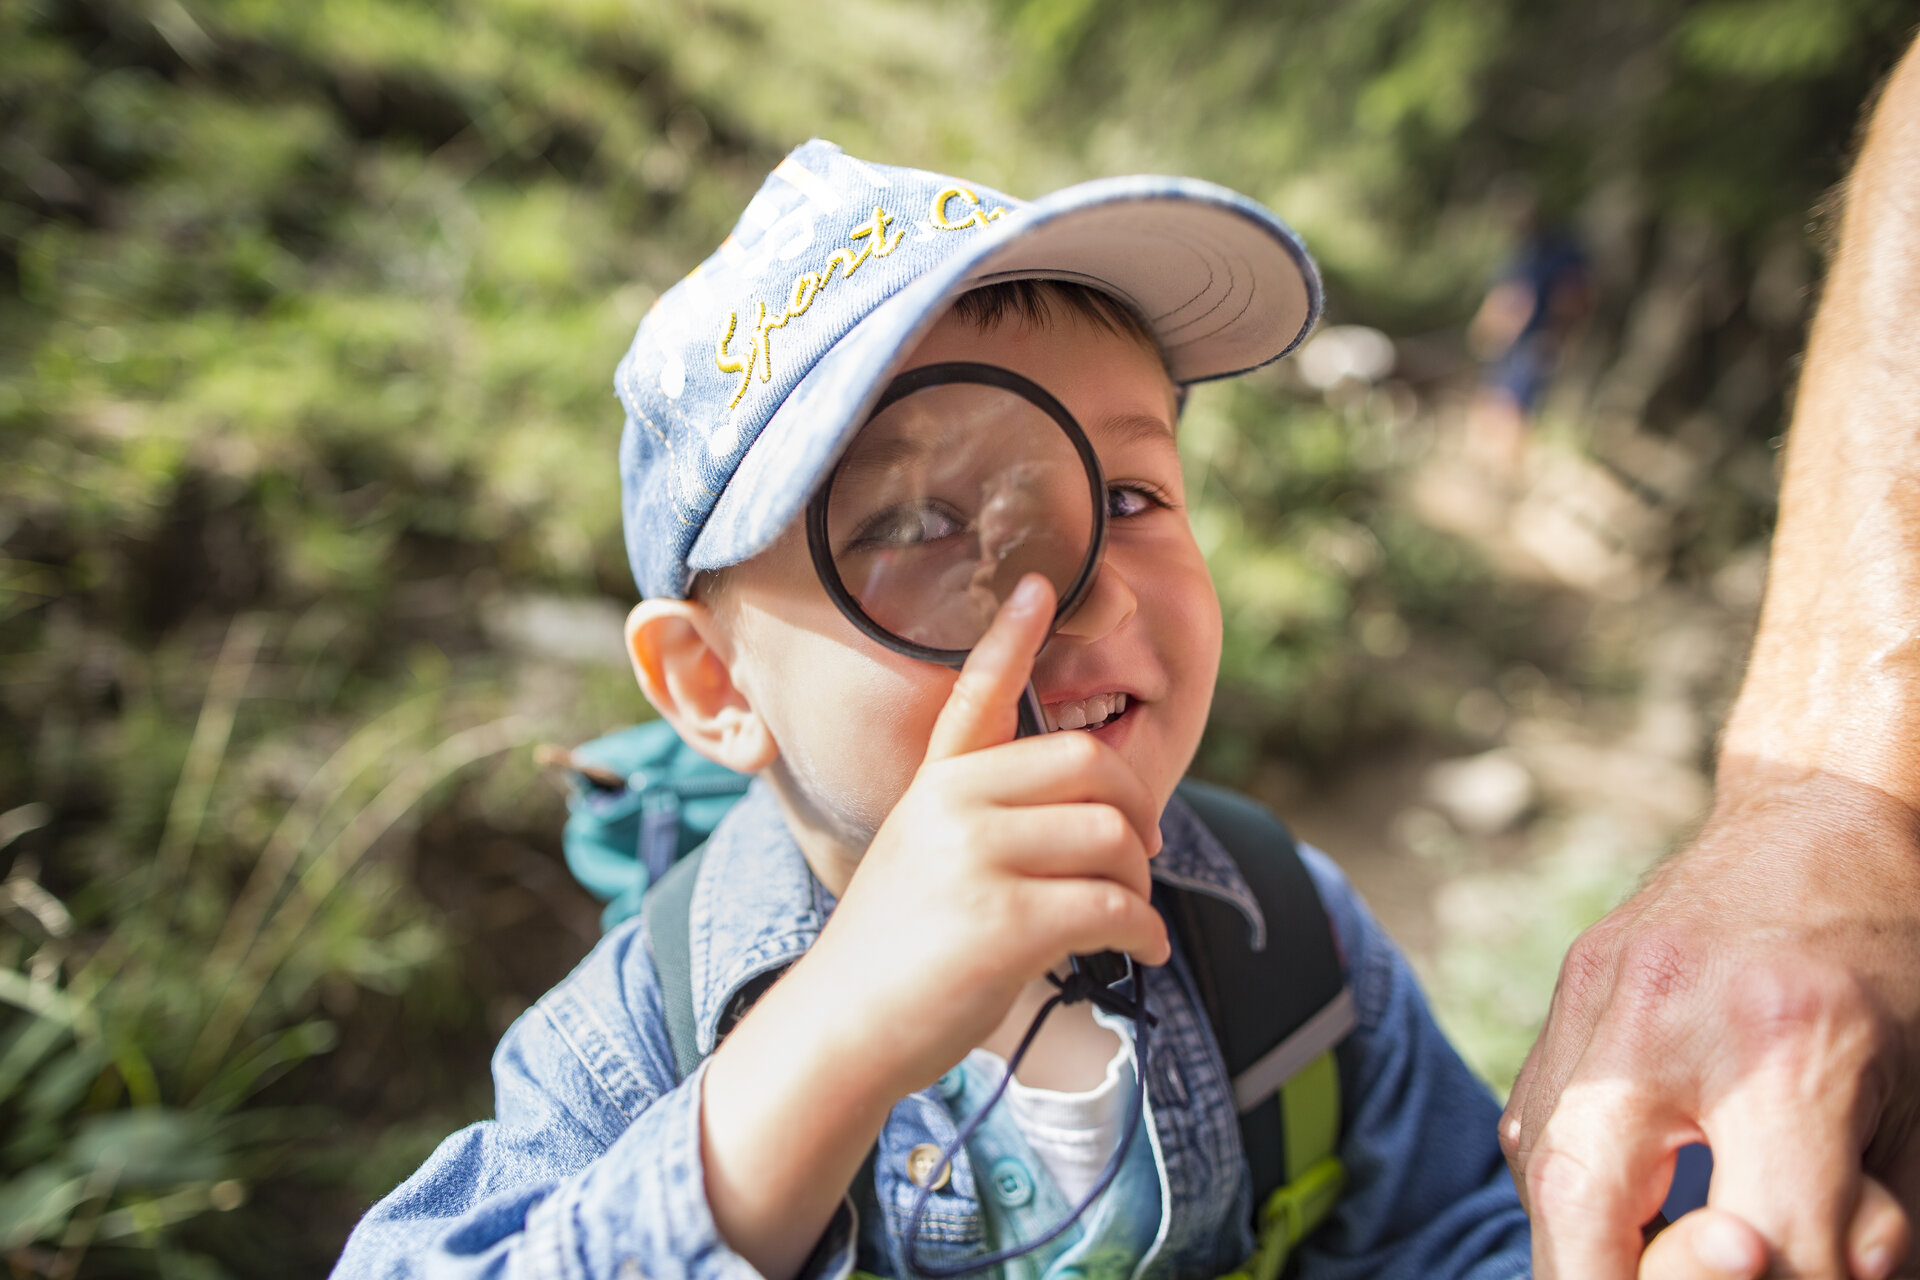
x=308 y=322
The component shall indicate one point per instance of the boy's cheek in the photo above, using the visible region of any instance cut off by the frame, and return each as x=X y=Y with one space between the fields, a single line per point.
x=852 y=734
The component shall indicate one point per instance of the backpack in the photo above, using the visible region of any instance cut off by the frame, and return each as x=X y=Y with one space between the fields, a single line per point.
x=642 y=803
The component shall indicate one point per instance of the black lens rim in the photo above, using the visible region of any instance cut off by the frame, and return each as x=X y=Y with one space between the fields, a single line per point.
x=933 y=375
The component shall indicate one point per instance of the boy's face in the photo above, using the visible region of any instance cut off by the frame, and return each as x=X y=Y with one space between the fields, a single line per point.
x=852 y=718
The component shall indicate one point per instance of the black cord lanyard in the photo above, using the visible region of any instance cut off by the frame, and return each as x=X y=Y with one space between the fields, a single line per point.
x=1074 y=988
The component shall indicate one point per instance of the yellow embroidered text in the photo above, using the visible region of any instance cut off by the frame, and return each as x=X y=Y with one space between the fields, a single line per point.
x=978 y=218
x=871 y=239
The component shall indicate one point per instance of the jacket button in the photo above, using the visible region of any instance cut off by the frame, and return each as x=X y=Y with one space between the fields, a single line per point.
x=1011 y=1183
x=953 y=1084
x=920 y=1163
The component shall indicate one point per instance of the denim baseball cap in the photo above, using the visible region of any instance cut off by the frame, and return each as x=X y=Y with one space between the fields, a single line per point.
x=747 y=378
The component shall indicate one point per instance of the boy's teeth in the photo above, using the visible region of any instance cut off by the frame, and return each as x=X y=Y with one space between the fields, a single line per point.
x=1088 y=711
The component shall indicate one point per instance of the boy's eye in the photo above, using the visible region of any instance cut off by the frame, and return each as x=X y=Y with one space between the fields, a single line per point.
x=1125 y=500
x=907 y=525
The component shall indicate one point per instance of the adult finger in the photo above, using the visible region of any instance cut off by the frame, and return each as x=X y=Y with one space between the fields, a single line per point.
x=1083 y=841
x=1085 y=916
x=1597 y=1173
x=1799 y=1176
x=982 y=710
x=1063 y=768
x=1582 y=995
x=1880 y=1236
x=1788 y=1127
x=1515 y=1140
x=1707 y=1244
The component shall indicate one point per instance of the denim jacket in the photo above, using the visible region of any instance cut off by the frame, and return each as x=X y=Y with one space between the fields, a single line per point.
x=591 y=1167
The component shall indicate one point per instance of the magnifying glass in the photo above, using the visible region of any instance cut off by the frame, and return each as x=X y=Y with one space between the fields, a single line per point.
x=966 y=478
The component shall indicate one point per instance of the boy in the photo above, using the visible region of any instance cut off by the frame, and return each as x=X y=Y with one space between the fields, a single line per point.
x=919 y=869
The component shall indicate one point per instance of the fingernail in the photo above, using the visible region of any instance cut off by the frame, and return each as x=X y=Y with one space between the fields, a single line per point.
x=1027 y=593
x=1726 y=1248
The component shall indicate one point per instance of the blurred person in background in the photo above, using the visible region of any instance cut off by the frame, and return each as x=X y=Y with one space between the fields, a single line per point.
x=1761 y=992
x=1536 y=303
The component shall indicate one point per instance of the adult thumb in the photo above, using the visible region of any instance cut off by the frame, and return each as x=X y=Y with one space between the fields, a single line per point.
x=982 y=711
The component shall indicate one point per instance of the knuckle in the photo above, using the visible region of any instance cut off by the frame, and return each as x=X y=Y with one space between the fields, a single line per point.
x=1082 y=751
x=1509 y=1133
x=1107 y=827
x=1562 y=1185
x=1641 y=981
x=971 y=694
x=1587 y=972
x=972 y=833
x=1656 y=965
x=1799 y=1009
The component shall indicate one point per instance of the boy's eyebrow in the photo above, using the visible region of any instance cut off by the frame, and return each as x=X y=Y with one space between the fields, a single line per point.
x=882 y=456
x=1135 y=428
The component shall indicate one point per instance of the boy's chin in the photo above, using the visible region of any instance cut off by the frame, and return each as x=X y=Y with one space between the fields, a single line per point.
x=816 y=819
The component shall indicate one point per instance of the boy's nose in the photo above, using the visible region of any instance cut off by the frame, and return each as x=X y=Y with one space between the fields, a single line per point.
x=1109 y=602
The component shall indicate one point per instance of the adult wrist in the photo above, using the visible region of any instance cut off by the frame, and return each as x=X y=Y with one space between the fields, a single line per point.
x=1762 y=804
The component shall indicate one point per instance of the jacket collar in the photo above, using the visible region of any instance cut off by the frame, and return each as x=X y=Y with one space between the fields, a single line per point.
x=757 y=907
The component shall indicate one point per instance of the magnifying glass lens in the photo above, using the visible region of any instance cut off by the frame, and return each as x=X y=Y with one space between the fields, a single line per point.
x=945 y=500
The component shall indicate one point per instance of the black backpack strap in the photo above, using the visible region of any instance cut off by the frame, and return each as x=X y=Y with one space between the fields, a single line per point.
x=669 y=909
x=1274 y=1012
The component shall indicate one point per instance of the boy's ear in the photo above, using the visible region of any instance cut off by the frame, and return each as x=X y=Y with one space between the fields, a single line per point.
x=683 y=661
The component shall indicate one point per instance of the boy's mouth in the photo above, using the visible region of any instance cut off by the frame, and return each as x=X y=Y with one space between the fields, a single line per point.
x=1096 y=712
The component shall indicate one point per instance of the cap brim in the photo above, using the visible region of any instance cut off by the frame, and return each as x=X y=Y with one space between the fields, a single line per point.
x=1224 y=284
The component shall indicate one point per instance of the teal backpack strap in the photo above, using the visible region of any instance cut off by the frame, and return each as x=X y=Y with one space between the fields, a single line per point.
x=669 y=908
x=1277 y=1014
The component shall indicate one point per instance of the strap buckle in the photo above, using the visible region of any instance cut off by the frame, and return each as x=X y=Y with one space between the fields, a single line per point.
x=1289 y=1215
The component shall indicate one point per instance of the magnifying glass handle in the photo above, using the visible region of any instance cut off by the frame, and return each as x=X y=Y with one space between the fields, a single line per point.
x=1106 y=967
x=1033 y=721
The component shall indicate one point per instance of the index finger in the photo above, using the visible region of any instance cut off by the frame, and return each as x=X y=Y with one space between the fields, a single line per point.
x=982 y=711
x=1596 y=1176
x=1581 y=995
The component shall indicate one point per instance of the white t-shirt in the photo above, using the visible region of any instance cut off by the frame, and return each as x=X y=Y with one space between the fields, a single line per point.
x=1072 y=1134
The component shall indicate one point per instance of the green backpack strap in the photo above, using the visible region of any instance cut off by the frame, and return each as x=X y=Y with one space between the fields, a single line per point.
x=1276 y=1013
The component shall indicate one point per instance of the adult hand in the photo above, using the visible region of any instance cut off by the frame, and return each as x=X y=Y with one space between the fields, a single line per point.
x=1762 y=991
x=1761 y=994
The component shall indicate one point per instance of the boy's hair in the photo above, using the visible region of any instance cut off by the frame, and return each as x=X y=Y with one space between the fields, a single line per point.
x=1039 y=302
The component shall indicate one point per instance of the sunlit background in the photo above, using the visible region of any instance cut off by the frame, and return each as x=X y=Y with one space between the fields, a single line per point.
x=309 y=533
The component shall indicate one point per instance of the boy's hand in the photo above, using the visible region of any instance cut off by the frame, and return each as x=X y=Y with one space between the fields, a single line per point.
x=1707 y=1244
x=1002 y=858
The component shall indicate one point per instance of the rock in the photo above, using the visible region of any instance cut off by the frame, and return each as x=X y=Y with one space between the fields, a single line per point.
x=1484 y=794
